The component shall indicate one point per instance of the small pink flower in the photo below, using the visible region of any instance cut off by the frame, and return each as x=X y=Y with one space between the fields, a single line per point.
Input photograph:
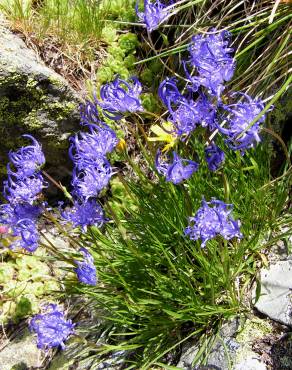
x=3 y=229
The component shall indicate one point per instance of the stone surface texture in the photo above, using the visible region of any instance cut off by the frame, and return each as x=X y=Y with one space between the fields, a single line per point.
x=33 y=100
x=275 y=299
x=250 y=363
x=223 y=350
x=21 y=353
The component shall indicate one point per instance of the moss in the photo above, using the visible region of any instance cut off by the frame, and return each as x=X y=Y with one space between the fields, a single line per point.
x=109 y=34
x=253 y=329
x=25 y=104
x=128 y=42
x=59 y=111
x=120 y=59
x=56 y=82
x=147 y=77
x=32 y=121
x=150 y=103
x=23 y=308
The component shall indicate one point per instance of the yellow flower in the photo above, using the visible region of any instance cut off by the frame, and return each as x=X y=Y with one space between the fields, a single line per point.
x=121 y=145
x=164 y=134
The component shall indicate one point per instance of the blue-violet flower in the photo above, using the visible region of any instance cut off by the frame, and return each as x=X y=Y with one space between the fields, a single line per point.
x=51 y=327
x=212 y=219
x=119 y=97
x=212 y=57
x=87 y=147
x=168 y=91
x=92 y=179
x=21 y=220
x=240 y=115
x=177 y=171
x=154 y=13
x=214 y=157
x=27 y=159
x=89 y=114
x=86 y=271
x=83 y=214
x=24 y=189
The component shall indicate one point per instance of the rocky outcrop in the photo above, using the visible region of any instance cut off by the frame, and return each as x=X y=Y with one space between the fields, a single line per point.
x=35 y=100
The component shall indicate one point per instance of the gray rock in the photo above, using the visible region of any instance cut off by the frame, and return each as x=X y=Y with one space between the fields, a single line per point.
x=34 y=100
x=276 y=292
x=22 y=353
x=221 y=353
x=250 y=363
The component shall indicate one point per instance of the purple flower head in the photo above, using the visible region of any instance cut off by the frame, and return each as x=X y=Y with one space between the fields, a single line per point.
x=206 y=112
x=209 y=222
x=12 y=214
x=83 y=214
x=212 y=57
x=177 y=171
x=28 y=231
x=154 y=13
x=26 y=160
x=92 y=179
x=214 y=157
x=24 y=189
x=87 y=147
x=86 y=271
x=21 y=220
x=119 y=97
x=168 y=91
x=185 y=113
x=51 y=327
x=239 y=117
x=89 y=114
x=185 y=116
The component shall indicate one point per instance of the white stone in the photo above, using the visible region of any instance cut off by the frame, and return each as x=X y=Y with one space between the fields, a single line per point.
x=250 y=363
x=276 y=292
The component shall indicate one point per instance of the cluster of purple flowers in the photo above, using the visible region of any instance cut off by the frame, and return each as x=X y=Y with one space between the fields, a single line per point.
x=119 y=97
x=21 y=189
x=239 y=116
x=92 y=171
x=51 y=327
x=212 y=65
x=185 y=112
x=209 y=222
x=209 y=67
x=178 y=170
x=155 y=12
x=211 y=56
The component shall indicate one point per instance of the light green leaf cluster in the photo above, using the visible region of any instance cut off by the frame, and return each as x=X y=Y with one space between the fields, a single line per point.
x=25 y=280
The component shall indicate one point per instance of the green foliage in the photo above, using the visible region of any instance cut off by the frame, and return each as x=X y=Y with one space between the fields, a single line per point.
x=150 y=102
x=25 y=282
x=128 y=42
x=73 y=21
x=120 y=56
x=156 y=287
x=123 y=10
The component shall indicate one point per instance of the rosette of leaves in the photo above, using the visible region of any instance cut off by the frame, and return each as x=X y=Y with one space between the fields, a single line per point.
x=24 y=282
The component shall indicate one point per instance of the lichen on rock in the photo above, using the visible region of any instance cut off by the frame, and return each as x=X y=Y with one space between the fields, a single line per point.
x=33 y=100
